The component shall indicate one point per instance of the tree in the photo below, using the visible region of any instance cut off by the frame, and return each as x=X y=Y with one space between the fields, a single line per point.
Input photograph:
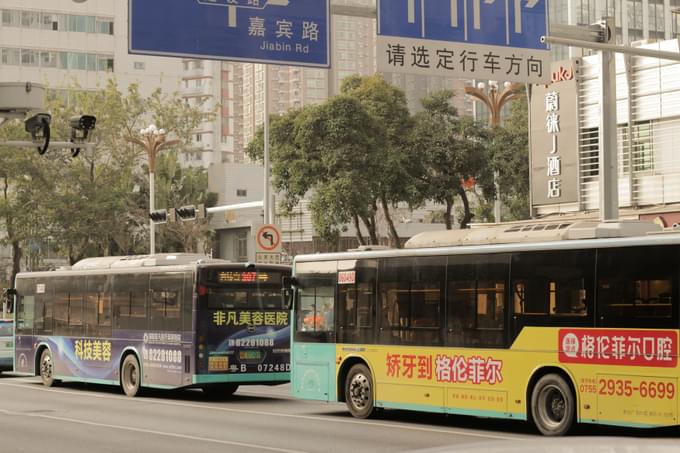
x=388 y=107
x=453 y=155
x=177 y=187
x=511 y=158
x=23 y=181
x=90 y=205
x=331 y=152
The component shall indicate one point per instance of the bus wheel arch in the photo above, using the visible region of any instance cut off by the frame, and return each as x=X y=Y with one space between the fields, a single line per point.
x=130 y=373
x=552 y=401
x=356 y=378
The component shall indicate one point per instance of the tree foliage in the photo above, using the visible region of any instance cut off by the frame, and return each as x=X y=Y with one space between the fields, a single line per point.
x=453 y=153
x=511 y=158
x=94 y=204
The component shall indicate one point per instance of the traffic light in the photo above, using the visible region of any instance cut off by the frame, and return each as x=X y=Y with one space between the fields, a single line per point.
x=159 y=216
x=186 y=212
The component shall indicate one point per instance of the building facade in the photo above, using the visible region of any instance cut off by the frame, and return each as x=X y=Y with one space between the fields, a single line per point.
x=61 y=43
x=565 y=139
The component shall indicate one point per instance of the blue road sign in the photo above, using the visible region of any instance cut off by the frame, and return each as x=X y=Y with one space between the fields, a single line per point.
x=292 y=32
x=509 y=23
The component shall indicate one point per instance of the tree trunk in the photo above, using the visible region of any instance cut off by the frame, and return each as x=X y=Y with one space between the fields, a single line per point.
x=467 y=215
x=447 y=217
x=369 y=221
x=357 y=226
x=394 y=236
x=16 y=261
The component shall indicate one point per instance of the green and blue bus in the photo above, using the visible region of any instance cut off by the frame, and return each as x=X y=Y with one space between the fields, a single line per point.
x=163 y=321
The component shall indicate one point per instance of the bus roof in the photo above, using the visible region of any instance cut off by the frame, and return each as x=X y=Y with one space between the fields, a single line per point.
x=532 y=232
x=518 y=237
x=159 y=259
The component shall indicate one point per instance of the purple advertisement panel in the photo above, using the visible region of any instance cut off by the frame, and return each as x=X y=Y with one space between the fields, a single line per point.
x=161 y=356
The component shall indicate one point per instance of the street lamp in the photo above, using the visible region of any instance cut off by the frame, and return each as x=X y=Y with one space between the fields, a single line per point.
x=152 y=140
x=494 y=101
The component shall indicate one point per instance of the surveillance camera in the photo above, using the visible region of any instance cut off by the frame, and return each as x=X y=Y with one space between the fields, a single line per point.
x=81 y=125
x=39 y=127
x=83 y=122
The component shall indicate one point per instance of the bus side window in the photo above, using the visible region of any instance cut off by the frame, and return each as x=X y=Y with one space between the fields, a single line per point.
x=638 y=287
x=476 y=300
x=165 y=301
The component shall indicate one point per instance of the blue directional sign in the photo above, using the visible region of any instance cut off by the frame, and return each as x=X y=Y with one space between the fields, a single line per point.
x=485 y=39
x=512 y=23
x=292 y=32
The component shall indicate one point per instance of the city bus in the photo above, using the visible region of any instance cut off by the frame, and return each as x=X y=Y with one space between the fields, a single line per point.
x=163 y=321
x=553 y=323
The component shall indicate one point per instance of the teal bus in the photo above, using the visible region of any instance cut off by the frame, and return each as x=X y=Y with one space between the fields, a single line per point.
x=163 y=321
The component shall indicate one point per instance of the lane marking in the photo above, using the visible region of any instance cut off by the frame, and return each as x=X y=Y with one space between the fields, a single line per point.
x=396 y=425
x=150 y=431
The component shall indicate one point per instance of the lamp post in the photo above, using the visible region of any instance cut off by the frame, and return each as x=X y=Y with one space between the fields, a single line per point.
x=495 y=99
x=152 y=140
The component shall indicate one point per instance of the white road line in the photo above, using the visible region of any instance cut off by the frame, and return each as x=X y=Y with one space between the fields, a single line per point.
x=350 y=421
x=150 y=431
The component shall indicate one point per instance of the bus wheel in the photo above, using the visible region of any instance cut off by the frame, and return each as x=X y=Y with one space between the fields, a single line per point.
x=130 y=377
x=47 y=368
x=553 y=405
x=359 y=391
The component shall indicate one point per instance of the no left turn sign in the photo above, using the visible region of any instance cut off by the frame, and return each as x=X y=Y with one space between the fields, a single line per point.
x=268 y=239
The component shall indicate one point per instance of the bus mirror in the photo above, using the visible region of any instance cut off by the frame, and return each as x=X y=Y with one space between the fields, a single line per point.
x=287 y=292
x=287 y=298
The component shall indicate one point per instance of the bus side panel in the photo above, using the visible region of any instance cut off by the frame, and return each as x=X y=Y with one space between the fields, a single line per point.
x=24 y=355
x=313 y=374
x=98 y=359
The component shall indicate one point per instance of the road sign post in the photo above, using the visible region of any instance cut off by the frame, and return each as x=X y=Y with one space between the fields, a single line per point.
x=474 y=39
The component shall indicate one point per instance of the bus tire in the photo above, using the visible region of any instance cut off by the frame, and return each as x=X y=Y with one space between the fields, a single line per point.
x=47 y=368
x=553 y=405
x=359 y=391
x=130 y=375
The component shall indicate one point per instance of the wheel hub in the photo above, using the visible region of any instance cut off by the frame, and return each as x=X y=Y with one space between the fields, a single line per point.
x=360 y=391
x=46 y=367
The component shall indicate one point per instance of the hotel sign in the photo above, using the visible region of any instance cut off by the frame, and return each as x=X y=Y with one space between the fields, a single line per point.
x=554 y=137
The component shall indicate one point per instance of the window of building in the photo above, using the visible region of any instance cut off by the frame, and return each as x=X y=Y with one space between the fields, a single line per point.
x=140 y=65
x=242 y=246
x=241 y=192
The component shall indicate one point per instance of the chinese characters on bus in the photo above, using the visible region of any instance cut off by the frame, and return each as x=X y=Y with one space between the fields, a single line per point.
x=445 y=368
x=250 y=318
x=92 y=350
x=619 y=347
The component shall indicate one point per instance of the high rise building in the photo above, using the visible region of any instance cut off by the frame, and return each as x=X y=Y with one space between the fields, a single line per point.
x=62 y=42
